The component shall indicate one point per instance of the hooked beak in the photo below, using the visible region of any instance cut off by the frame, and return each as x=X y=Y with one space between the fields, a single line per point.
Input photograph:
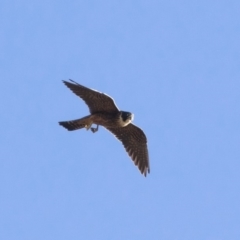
x=131 y=116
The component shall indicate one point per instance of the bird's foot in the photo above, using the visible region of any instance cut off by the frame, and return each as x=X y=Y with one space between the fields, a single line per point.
x=94 y=129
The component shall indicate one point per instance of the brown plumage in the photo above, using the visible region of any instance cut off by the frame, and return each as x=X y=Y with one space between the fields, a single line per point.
x=104 y=112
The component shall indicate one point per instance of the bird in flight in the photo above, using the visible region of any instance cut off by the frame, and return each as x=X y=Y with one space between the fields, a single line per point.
x=104 y=112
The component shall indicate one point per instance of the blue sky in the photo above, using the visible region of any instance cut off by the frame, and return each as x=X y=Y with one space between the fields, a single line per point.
x=175 y=65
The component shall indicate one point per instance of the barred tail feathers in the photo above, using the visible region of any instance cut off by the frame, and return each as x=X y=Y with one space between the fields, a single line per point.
x=77 y=124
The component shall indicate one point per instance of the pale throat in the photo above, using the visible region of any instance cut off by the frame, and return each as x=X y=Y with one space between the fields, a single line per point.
x=127 y=121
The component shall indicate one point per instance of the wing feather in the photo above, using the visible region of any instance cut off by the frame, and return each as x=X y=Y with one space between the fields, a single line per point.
x=96 y=101
x=135 y=143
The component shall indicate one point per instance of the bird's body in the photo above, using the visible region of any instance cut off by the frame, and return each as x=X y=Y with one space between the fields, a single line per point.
x=108 y=120
x=104 y=112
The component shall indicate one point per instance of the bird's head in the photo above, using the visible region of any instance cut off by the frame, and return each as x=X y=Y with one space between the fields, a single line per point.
x=126 y=118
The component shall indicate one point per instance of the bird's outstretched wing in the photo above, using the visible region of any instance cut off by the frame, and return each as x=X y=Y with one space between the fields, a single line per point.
x=96 y=101
x=135 y=143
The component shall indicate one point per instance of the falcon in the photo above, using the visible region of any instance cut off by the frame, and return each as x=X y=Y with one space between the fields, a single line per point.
x=104 y=112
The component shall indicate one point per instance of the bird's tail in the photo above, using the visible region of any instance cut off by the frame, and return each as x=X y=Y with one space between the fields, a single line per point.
x=84 y=122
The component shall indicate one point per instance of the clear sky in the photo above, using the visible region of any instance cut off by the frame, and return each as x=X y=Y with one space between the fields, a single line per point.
x=175 y=65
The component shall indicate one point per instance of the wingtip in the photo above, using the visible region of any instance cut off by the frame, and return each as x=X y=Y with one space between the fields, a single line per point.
x=146 y=172
x=73 y=81
x=66 y=82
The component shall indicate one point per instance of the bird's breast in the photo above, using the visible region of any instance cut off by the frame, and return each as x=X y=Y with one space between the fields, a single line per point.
x=108 y=119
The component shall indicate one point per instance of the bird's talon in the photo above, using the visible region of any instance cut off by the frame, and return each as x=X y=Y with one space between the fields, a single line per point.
x=94 y=129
